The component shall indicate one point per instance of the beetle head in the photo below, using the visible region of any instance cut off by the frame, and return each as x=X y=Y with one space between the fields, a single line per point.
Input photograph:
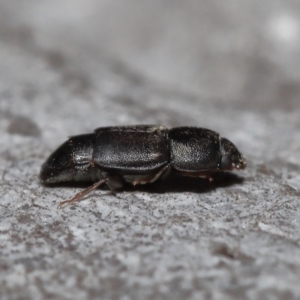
x=231 y=157
x=71 y=161
x=58 y=167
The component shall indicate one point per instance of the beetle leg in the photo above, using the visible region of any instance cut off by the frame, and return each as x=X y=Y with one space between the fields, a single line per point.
x=153 y=177
x=115 y=182
x=207 y=176
x=201 y=174
x=81 y=194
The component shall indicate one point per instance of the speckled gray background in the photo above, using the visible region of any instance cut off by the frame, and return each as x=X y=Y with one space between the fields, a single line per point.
x=69 y=66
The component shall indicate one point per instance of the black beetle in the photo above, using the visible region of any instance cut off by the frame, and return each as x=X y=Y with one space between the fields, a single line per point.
x=138 y=155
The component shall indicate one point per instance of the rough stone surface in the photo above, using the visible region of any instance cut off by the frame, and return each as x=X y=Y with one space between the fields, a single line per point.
x=69 y=66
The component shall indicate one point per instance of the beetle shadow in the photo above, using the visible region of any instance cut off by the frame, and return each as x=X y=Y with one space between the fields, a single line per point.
x=173 y=184
x=179 y=184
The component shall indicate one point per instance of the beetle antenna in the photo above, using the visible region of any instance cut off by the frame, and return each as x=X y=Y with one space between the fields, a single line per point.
x=81 y=194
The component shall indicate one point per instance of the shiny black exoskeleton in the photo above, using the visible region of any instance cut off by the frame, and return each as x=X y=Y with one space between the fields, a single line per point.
x=138 y=155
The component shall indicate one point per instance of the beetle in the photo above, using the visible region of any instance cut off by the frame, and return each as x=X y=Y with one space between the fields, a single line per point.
x=139 y=154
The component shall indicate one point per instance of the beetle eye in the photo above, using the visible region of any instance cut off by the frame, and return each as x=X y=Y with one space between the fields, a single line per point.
x=225 y=163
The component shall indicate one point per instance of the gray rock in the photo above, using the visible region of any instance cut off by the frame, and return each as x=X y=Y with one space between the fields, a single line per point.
x=67 y=67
